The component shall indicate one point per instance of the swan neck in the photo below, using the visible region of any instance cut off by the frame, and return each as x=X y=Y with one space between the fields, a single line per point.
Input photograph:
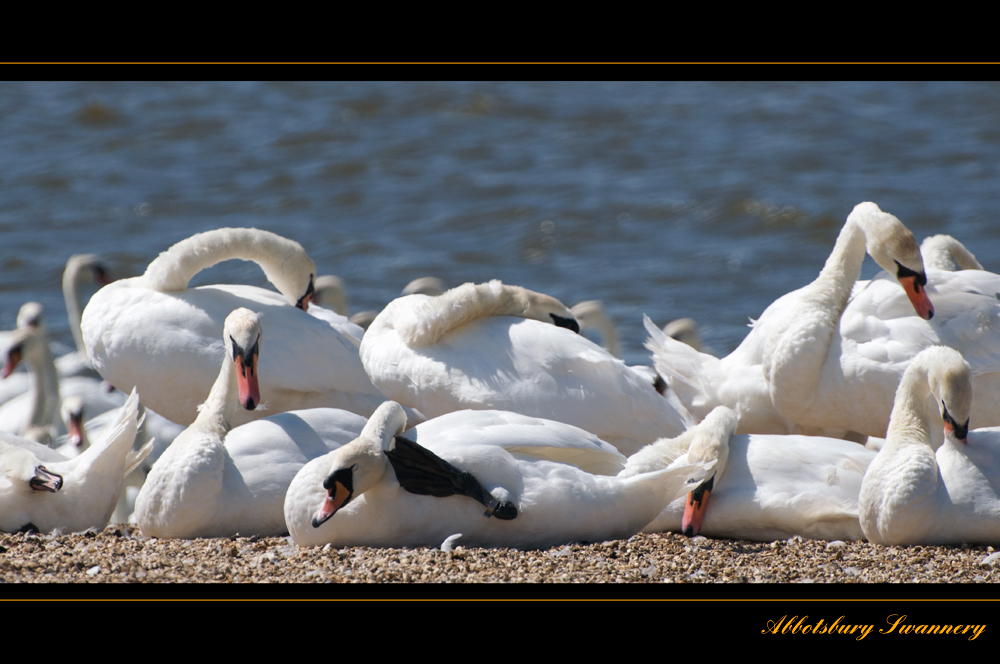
x=910 y=419
x=45 y=401
x=223 y=401
x=843 y=267
x=436 y=316
x=388 y=420
x=69 y=286
x=173 y=269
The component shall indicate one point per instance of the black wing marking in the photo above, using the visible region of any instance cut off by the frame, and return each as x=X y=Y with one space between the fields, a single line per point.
x=422 y=472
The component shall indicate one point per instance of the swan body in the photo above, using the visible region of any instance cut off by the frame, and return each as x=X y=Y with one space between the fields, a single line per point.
x=763 y=487
x=497 y=347
x=155 y=332
x=39 y=487
x=538 y=466
x=215 y=480
x=795 y=356
x=919 y=492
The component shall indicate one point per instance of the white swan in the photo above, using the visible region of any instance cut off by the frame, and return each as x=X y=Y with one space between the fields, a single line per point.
x=535 y=477
x=943 y=252
x=763 y=487
x=39 y=408
x=155 y=332
x=42 y=490
x=213 y=481
x=792 y=374
x=492 y=346
x=916 y=494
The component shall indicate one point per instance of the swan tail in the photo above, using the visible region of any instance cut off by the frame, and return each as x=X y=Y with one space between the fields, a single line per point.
x=110 y=453
x=135 y=457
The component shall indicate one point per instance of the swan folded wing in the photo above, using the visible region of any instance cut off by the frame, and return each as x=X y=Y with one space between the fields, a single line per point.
x=422 y=472
x=532 y=437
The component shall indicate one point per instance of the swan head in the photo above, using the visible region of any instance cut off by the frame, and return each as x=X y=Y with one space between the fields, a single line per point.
x=710 y=442
x=424 y=286
x=950 y=380
x=242 y=334
x=360 y=464
x=30 y=315
x=294 y=273
x=25 y=474
x=547 y=309
x=72 y=414
x=23 y=343
x=81 y=266
x=894 y=248
x=331 y=293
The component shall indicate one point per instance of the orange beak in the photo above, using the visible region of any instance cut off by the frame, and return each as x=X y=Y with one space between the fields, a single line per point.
x=246 y=380
x=694 y=510
x=10 y=363
x=335 y=499
x=918 y=297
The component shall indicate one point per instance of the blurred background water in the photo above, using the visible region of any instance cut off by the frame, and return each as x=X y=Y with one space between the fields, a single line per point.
x=707 y=200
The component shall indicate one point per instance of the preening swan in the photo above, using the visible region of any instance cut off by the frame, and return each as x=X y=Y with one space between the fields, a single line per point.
x=40 y=489
x=919 y=492
x=216 y=481
x=155 y=332
x=763 y=487
x=792 y=374
x=493 y=346
x=536 y=477
x=943 y=252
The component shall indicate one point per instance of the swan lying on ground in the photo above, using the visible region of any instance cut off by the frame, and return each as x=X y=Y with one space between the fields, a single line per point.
x=763 y=487
x=498 y=478
x=41 y=490
x=919 y=492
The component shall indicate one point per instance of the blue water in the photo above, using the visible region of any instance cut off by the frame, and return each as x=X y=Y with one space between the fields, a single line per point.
x=707 y=200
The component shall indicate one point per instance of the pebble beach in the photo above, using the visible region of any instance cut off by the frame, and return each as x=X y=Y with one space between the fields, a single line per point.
x=120 y=554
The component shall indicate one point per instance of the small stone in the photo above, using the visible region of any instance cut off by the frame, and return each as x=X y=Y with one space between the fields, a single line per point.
x=93 y=570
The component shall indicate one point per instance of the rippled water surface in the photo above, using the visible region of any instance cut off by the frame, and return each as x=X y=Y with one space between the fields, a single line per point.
x=707 y=200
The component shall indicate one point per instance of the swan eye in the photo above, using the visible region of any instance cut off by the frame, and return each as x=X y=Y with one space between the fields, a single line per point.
x=919 y=278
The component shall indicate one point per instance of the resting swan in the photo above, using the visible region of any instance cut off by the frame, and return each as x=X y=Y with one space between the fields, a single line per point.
x=917 y=491
x=216 y=481
x=40 y=489
x=794 y=373
x=155 y=332
x=763 y=487
x=493 y=346
x=537 y=478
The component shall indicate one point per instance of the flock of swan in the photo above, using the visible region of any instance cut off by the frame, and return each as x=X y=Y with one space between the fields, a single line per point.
x=481 y=411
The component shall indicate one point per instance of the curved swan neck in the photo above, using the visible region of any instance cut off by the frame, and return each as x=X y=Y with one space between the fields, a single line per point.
x=460 y=306
x=943 y=252
x=280 y=258
x=842 y=269
x=388 y=420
